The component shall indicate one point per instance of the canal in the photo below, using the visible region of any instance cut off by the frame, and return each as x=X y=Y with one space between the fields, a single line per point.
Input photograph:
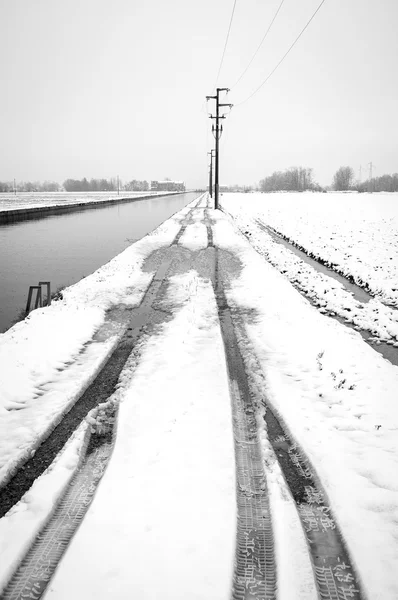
x=65 y=248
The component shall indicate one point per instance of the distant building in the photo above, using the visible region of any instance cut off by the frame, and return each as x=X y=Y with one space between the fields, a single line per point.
x=168 y=186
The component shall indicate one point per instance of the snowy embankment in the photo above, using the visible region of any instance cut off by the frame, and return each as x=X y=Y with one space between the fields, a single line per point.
x=335 y=394
x=26 y=200
x=355 y=235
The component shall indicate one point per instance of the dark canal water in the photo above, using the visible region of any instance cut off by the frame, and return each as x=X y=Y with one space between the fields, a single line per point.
x=64 y=248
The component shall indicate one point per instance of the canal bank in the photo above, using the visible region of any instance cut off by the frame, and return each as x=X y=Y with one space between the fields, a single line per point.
x=70 y=244
x=39 y=212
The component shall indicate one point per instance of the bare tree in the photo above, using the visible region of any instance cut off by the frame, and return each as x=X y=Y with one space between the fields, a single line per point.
x=343 y=179
x=295 y=179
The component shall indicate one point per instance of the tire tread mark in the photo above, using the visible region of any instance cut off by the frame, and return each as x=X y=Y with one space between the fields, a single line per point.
x=103 y=386
x=186 y=222
x=255 y=567
x=334 y=573
x=37 y=567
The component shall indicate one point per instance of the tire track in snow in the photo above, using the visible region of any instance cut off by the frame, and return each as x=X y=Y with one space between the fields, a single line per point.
x=255 y=569
x=334 y=573
x=101 y=388
x=187 y=221
x=37 y=567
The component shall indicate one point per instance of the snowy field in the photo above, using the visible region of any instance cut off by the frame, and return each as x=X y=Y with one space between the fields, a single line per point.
x=336 y=394
x=40 y=199
x=356 y=235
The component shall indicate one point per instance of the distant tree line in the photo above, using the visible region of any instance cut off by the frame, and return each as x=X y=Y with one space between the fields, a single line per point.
x=75 y=185
x=299 y=179
x=295 y=179
x=94 y=185
x=136 y=186
x=104 y=185
x=236 y=188
x=385 y=183
x=344 y=180
x=30 y=186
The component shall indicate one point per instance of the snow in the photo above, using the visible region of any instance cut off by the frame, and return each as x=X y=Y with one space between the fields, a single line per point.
x=27 y=200
x=167 y=500
x=51 y=355
x=195 y=235
x=25 y=520
x=363 y=244
x=290 y=544
x=356 y=235
x=338 y=398
x=170 y=481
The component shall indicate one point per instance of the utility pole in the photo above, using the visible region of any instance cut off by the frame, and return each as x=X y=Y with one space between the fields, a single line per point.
x=370 y=170
x=211 y=173
x=118 y=187
x=217 y=132
x=15 y=189
x=360 y=173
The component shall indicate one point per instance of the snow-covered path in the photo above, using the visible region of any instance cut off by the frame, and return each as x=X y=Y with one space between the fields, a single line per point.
x=162 y=523
x=167 y=500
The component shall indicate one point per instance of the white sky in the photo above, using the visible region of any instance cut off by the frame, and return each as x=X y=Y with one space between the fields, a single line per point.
x=97 y=88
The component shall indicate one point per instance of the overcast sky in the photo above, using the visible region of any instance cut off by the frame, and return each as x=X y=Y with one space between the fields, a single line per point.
x=96 y=88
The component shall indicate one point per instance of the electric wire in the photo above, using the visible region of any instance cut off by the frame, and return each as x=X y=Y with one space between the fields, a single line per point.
x=226 y=43
x=259 y=46
x=283 y=57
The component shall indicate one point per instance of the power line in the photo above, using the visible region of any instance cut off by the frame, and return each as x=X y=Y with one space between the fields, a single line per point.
x=259 y=46
x=283 y=57
x=226 y=43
